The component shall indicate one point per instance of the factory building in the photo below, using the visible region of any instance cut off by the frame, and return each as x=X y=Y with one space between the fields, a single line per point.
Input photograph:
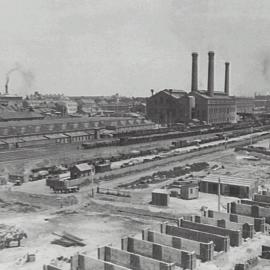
x=209 y=106
x=169 y=106
x=244 y=104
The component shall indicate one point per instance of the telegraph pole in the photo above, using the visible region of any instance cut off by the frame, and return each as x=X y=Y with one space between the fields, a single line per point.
x=92 y=181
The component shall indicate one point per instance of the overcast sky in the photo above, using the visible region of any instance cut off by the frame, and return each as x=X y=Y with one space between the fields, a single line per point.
x=102 y=47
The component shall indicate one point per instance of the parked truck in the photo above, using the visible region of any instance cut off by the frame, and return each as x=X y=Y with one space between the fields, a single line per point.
x=63 y=186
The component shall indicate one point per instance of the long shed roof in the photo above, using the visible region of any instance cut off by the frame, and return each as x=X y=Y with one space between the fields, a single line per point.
x=229 y=180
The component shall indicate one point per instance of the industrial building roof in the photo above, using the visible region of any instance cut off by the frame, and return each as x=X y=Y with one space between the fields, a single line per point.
x=160 y=191
x=56 y=136
x=84 y=167
x=8 y=115
x=34 y=138
x=61 y=121
x=76 y=133
x=229 y=180
x=217 y=95
x=12 y=140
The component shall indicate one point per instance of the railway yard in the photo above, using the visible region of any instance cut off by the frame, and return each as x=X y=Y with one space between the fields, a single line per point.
x=122 y=208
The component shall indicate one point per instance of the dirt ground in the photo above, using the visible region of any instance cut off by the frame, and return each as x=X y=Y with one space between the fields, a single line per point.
x=105 y=219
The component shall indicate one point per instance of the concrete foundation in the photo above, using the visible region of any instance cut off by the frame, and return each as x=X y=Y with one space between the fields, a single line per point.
x=250 y=202
x=235 y=236
x=181 y=258
x=250 y=210
x=204 y=251
x=259 y=223
x=82 y=262
x=261 y=198
x=221 y=243
x=247 y=230
x=131 y=260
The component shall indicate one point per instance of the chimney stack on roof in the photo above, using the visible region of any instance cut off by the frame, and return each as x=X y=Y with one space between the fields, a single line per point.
x=227 y=79
x=210 y=88
x=194 y=74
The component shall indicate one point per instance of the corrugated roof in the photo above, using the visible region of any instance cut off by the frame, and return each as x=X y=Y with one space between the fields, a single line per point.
x=34 y=138
x=12 y=140
x=61 y=121
x=84 y=167
x=76 y=133
x=56 y=136
x=6 y=115
x=229 y=180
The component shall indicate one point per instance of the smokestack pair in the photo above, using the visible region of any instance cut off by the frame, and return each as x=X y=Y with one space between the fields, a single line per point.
x=210 y=83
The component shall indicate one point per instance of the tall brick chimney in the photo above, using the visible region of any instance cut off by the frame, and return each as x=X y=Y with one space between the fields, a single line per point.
x=194 y=72
x=210 y=85
x=227 y=79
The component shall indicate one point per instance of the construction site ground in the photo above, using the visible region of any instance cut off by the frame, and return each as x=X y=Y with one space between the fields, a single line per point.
x=104 y=219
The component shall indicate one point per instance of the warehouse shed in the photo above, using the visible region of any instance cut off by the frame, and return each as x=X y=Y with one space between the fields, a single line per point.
x=229 y=185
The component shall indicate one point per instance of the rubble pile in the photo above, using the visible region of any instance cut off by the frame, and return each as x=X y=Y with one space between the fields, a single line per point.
x=10 y=235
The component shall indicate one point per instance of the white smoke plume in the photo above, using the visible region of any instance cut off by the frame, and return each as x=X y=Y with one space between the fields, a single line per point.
x=26 y=75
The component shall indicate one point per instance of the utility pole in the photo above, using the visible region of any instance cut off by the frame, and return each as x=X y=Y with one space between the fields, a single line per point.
x=92 y=181
x=219 y=194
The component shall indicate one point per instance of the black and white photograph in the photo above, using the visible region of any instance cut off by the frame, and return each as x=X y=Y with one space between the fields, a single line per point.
x=134 y=135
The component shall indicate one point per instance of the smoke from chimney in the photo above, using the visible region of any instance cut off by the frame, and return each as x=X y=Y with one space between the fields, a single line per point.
x=26 y=75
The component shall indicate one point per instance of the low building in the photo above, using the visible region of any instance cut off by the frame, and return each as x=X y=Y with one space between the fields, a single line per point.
x=11 y=100
x=189 y=191
x=80 y=136
x=160 y=197
x=229 y=185
x=81 y=170
x=36 y=140
x=20 y=115
x=58 y=138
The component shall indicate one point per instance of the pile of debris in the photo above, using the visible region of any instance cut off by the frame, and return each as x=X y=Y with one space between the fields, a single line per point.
x=10 y=236
x=68 y=240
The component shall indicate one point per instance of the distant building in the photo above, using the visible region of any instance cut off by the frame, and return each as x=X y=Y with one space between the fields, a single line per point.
x=172 y=106
x=215 y=109
x=115 y=107
x=81 y=170
x=244 y=104
x=169 y=106
x=260 y=102
x=11 y=100
x=69 y=106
